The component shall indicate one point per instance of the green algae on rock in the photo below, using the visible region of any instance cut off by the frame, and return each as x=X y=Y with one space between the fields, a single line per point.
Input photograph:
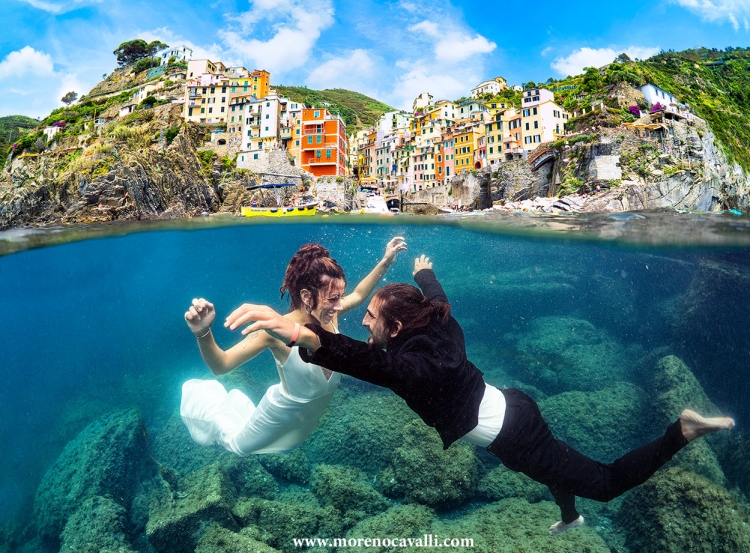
x=515 y=526
x=286 y=520
x=294 y=467
x=347 y=489
x=560 y=354
x=205 y=498
x=359 y=429
x=604 y=424
x=677 y=511
x=402 y=521
x=423 y=472
x=108 y=458
x=100 y=525
x=220 y=540
x=502 y=483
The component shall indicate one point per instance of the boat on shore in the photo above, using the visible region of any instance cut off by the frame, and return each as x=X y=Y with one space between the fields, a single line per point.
x=288 y=211
x=280 y=194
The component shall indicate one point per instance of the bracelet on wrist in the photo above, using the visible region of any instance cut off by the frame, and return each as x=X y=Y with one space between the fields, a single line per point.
x=295 y=335
x=206 y=334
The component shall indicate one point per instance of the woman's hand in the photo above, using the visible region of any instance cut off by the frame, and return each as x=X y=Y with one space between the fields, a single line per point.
x=397 y=244
x=200 y=317
x=422 y=262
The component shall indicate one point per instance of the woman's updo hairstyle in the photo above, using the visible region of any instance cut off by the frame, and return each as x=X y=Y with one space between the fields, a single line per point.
x=404 y=303
x=311 y=268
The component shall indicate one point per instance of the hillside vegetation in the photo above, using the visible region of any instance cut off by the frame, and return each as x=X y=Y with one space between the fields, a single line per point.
x=13 y=127
x=357 y=110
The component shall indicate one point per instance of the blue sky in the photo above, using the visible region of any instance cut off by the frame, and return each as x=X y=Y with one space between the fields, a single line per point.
x=390 y=50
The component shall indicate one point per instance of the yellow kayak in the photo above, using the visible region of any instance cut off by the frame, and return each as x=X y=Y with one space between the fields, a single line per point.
x=305 y=210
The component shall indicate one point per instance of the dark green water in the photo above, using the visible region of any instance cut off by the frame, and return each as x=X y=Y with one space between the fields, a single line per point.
x=609 y=323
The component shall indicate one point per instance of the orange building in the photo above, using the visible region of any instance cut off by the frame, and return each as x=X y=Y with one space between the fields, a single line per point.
x=323 y=143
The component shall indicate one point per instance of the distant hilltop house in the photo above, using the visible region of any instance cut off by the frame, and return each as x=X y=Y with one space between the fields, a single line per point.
x=494 y=86
x=673 y=109
x=182 y=53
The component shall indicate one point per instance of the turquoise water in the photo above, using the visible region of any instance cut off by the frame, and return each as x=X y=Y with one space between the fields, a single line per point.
x=609 y=328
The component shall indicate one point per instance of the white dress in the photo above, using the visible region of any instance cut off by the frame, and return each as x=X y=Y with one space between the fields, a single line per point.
x=284 y=418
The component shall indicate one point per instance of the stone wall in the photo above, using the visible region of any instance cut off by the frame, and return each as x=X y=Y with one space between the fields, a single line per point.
x=605 y=168
x=330 y=190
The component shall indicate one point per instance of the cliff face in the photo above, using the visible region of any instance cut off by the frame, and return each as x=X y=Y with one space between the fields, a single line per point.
x=147 y=166
x=681 y=168
x=129 y=173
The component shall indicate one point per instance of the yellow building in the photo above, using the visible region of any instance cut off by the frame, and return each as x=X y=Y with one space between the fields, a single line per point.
x=465 y=139
x=257 y=83
x=207 y=99
x=542 y=119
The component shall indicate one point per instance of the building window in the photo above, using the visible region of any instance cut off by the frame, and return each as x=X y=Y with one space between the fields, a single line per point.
x=536 y=124
x=316 y=114
x=319 y=139
x=527 y=126
x=328 y=154
x=255 y=156
x=535 y=111
x=309 y=139
x=318 y=154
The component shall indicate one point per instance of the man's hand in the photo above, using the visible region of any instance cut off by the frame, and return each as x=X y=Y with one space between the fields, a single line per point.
x=262 y=317
x=397 y=244
x=200 y=316
x=422 y=262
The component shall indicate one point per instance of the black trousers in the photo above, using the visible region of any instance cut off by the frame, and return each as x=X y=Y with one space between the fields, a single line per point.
x=525 y=444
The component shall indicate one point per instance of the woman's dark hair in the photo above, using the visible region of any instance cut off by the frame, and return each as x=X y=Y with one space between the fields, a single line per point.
x=308 y=269
x=404 y=303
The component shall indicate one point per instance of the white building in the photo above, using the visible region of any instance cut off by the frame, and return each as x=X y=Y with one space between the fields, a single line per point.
x=183 y=53
x=487 y=87
x=654 y=94
x=422 y=101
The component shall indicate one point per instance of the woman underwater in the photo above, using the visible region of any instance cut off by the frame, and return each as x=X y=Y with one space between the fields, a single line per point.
x=289 y=411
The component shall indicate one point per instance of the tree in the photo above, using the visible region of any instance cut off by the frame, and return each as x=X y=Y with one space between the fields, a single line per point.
x=133 y=50
x=69 y=98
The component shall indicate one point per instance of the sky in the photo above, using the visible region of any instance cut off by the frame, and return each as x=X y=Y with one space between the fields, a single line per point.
x=389 y=50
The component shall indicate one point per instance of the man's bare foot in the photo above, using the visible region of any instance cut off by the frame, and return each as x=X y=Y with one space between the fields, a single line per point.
x=560 y=527
x=694 y=426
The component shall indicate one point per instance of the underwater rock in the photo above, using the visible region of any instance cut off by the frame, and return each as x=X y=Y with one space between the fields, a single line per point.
x=348 y=490
x=604 y=424
x=423 y=472
x=675 y=388
x=220 y=540
x=677 y=511
x=286 y=520
x=501 y=483
x=402 y=521
x=735 y=457
x=515 y=526
x=359 y=429
x=295 y=467
x=108 y=458
x=99 y=524
x=173 y=446
x=560 y=354
x=205 y=498
x=710 y=327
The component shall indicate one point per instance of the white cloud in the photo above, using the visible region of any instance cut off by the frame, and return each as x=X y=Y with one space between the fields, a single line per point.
x=26 y=61
x=420 y=78
x=452 y=44
x=457 y=47
x=574 y=63
x=427 y=27
x=295 y=26
x=60 y=6
x=737 y=12
x=546 y=51
x=349 y=72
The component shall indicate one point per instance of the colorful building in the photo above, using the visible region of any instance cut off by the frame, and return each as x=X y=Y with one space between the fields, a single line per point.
x=323 y=143
x=542 y=119
x=207 y=98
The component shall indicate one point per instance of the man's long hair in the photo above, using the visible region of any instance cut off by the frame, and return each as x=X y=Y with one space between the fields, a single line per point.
x=404 y=303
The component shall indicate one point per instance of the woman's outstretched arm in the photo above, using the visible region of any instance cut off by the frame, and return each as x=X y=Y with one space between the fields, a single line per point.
x=368 y=284
x=199 y=319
